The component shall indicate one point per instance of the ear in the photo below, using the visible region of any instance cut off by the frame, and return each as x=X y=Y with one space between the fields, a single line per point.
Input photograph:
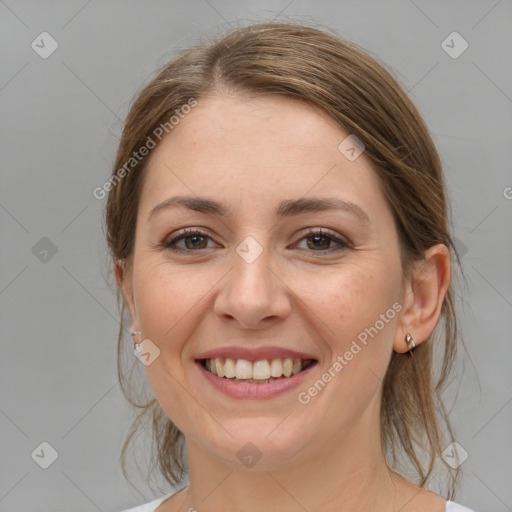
x=423 y=297
x=124 y=281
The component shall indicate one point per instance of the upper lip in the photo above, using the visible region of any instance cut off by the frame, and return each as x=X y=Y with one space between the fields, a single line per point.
x=254 y=354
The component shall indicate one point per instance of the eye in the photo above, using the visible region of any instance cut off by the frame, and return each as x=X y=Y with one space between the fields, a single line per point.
x=194 y=236
x=195 y=240
x=320 y=240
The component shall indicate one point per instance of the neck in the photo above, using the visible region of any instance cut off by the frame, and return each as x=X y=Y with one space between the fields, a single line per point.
x=348 y=473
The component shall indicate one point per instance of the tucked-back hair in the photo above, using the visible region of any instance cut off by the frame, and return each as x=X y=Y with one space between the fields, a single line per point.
x=309 y=64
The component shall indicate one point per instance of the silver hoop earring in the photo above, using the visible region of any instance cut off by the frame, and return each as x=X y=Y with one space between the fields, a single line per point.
x=410 y=342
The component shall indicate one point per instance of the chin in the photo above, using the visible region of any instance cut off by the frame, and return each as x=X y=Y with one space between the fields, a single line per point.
x=263 y=444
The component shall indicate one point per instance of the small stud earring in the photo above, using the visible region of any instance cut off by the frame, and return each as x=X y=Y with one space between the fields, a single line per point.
x=137 y=345
x=410 y=342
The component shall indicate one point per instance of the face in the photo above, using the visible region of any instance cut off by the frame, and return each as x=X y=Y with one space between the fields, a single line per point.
x=257 y=277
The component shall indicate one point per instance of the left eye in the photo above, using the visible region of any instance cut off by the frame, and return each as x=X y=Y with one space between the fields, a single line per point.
x=321 y=240
x=196 y=240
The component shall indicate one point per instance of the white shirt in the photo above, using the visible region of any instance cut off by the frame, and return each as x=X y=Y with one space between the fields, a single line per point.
x=152 y=505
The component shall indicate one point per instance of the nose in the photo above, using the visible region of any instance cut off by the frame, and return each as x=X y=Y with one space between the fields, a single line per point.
x=253 y=295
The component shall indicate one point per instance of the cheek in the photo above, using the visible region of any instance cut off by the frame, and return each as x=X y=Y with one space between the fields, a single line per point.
x=351 y=298
x=167 y=302
x=358 y=319
x=355 y=305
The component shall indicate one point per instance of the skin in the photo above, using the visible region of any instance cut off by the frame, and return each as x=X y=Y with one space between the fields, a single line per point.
x=250 y=154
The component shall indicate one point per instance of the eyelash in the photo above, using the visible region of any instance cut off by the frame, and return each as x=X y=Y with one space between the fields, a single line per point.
x=170 y=244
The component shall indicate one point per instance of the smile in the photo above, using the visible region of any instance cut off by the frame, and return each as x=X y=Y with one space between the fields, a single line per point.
x=257 y=372
x=260 y=379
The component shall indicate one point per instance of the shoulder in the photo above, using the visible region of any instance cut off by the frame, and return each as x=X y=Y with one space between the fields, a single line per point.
x=152 y=505
x=455 y=507
x=148 y=507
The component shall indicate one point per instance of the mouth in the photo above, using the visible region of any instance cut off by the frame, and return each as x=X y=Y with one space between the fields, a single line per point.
x=262 y=371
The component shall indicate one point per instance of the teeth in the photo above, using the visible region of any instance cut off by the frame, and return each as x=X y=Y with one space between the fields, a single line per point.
x=243 y=369
x=287 y=367
x=219 y=367
x=276 y=368
x=230 y=368
x=263 y=370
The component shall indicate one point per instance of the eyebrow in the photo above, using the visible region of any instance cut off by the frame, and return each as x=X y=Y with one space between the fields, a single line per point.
x=287 y=208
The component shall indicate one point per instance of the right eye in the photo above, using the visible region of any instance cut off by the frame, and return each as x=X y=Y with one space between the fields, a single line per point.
x=192 y=235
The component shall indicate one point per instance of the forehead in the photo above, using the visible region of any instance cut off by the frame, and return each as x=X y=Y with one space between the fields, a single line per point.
x=246 y=125
x=258 y=150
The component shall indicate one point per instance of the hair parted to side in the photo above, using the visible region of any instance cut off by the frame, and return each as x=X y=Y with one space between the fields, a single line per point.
x=311 y=65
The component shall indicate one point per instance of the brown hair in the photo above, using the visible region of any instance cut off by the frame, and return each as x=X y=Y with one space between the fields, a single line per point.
x=309 y=64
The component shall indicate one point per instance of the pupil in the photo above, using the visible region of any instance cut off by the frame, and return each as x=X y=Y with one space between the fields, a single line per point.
x=317 y=238
x=194 y=237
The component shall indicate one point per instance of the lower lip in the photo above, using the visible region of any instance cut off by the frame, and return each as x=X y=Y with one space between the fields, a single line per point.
x=244 y=391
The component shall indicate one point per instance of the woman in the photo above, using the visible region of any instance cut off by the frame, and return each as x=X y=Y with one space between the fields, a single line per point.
x=279 y=230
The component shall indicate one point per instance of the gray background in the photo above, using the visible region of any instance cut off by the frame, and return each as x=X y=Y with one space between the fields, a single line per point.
x=60 y=117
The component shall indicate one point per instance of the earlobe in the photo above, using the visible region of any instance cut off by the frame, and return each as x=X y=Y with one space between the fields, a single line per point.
x=424 y=297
